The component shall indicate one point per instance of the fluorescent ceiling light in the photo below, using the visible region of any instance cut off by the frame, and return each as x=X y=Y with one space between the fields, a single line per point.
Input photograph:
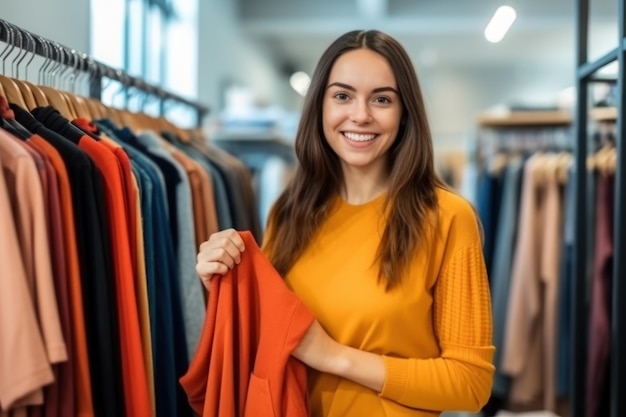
x=500 y=23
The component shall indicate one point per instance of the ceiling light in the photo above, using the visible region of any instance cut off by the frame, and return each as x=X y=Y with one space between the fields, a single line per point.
x=300 y=82
x=500 y=23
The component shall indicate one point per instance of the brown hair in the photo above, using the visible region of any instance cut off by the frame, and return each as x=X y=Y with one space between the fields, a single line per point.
x=411 y=197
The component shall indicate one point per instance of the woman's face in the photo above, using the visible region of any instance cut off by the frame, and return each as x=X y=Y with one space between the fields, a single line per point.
x=361 y=111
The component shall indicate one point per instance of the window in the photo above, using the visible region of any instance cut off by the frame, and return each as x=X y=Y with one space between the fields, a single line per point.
x=155 y=40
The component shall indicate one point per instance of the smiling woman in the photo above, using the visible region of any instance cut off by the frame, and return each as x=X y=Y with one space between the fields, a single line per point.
x=387 y=259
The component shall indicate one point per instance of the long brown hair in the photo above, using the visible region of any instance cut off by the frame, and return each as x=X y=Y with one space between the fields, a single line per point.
x=411 y=197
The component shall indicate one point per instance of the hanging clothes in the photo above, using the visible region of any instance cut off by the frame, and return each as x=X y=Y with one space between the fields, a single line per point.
x=122 y=216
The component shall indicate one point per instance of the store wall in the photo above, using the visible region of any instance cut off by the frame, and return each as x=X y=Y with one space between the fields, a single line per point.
x=63 y=21
x=227 y=57
x=456 y=96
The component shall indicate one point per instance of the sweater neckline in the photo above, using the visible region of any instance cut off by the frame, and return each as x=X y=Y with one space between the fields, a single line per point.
x=373 y=202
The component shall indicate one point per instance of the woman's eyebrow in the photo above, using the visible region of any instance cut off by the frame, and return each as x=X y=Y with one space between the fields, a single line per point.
x=349 y=87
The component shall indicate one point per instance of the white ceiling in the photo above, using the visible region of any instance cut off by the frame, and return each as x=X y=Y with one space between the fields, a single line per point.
x=436 y=33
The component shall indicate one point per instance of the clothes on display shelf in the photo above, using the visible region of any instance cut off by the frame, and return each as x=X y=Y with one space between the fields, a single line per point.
x=102 y=217
x=526 y=202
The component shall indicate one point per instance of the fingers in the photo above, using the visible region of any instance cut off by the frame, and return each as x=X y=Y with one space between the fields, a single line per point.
x=219 y=254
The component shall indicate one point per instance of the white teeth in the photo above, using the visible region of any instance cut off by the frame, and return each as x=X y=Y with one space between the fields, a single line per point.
x=359 y=137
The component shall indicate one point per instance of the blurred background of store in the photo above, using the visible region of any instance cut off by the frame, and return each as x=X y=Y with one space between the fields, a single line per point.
x=238 y=56
x=248 y=62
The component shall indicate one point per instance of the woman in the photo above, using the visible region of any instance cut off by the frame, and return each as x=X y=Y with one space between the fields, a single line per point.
x=388 y=260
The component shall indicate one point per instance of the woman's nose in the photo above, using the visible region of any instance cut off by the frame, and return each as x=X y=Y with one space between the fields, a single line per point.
x=360 y=113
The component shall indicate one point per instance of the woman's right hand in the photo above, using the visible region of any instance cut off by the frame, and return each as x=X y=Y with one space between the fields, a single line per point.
x=219 y=254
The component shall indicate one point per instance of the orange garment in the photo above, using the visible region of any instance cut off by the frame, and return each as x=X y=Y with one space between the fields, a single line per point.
x=141 y=282
x=135 y=239
x=243 y=365
x=136 y=391
x=204 y=211
x=82 y=378
x=129 y=196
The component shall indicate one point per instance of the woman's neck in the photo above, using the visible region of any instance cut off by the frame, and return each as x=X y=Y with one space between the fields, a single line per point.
x=362 y=187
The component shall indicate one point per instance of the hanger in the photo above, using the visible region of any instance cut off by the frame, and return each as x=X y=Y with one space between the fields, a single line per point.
x=612 y=161
x=497 y=162
x=114 y=115
x=81 y=107
x=182 y=134
x=39 y=98
x=96 y=108
x=564 y=162
x=196 y=135
x=56 y=99
x=600 y=159
x=607 y=161
x=129 y=120
x=78 y=103
x=12 y=92
x=24 y=87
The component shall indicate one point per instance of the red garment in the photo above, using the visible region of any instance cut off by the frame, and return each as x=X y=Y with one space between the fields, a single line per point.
x=135 y=379
x=243 y=365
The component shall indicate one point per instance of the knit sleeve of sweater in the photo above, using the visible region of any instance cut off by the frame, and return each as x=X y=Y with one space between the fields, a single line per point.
x=461 y=377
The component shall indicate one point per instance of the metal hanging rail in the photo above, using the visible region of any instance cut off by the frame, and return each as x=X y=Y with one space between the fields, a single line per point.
x=31 y=42
x=585 y=73
x=618 y=331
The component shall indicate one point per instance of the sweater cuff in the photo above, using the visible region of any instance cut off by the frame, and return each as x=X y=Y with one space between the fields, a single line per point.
x=396 y=377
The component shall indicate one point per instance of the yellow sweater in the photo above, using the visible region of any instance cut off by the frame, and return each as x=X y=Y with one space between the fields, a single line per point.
x=434 y=330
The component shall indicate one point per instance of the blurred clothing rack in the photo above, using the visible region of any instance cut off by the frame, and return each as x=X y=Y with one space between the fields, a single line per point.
x=522 y=119
x=23 y=39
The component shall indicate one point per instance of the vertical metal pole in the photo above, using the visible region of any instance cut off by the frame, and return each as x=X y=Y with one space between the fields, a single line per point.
x=579 y=289
x=95 y=85
x=146 y=55
x=127 y=47
x=618 y=325
x=165 y=30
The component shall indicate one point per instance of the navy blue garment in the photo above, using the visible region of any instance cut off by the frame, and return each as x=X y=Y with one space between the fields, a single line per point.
x=489 y=194
x=170 y=175
x=506 y=237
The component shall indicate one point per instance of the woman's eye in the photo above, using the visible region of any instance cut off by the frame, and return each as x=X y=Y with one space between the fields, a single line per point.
x=382 y=100
x=341 y=96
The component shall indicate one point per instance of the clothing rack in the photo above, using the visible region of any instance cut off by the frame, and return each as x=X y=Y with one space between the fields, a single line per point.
x=23 y=39
x=585 y=75
x=530 y=118
x=525 y=130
